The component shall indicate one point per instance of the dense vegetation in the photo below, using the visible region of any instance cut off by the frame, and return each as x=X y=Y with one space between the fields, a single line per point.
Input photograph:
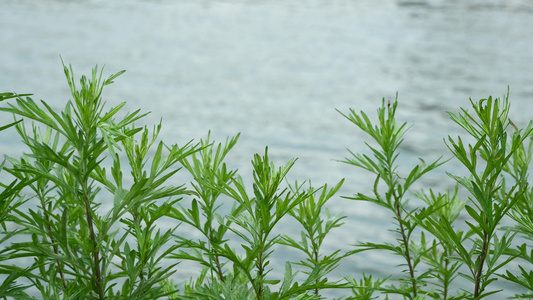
x=91 y=210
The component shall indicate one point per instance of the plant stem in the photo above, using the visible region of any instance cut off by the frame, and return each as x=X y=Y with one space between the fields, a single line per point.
x=479 y=273
x=259 y=289
x=315 y=250
x=96 y=252
x=406 y=246
x=219 y=269
x=445 y=277
x=216 y=257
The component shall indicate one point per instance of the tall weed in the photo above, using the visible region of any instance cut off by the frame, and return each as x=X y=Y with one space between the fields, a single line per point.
x=93 y=210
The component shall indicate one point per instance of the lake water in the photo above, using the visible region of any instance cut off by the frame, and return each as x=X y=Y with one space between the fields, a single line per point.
x=275 y=71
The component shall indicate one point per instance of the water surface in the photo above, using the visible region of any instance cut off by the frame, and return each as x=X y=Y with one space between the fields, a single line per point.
x=275 y=71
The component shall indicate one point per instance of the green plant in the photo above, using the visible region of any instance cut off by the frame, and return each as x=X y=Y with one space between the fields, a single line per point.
x=93 y=232
x=81 y=224
x=522 y=214
x=253 y=220
x=383 y=164
x=209 y=171
x=10 y=200
x=94 y=206
x=315 y=228
x=481 y=250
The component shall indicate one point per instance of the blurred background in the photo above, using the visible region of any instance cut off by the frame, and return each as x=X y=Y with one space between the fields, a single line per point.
x=276 y=71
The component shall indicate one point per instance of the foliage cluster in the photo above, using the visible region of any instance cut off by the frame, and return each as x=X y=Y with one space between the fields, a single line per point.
x=92 y=210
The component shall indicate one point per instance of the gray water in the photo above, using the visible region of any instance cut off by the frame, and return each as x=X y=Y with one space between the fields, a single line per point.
x=275 y=71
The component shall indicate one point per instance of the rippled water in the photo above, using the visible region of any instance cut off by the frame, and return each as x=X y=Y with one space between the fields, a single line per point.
x=275 y=71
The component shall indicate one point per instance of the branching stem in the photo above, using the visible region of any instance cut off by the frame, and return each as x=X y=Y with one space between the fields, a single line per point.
x=216 y=258
x=479 y=272
x=445 y=281
x=406 y=247
x=315 y=250
x=260 y=271
x=96 y=250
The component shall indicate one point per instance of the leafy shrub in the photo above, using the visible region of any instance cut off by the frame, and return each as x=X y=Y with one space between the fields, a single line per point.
x=87 y=213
